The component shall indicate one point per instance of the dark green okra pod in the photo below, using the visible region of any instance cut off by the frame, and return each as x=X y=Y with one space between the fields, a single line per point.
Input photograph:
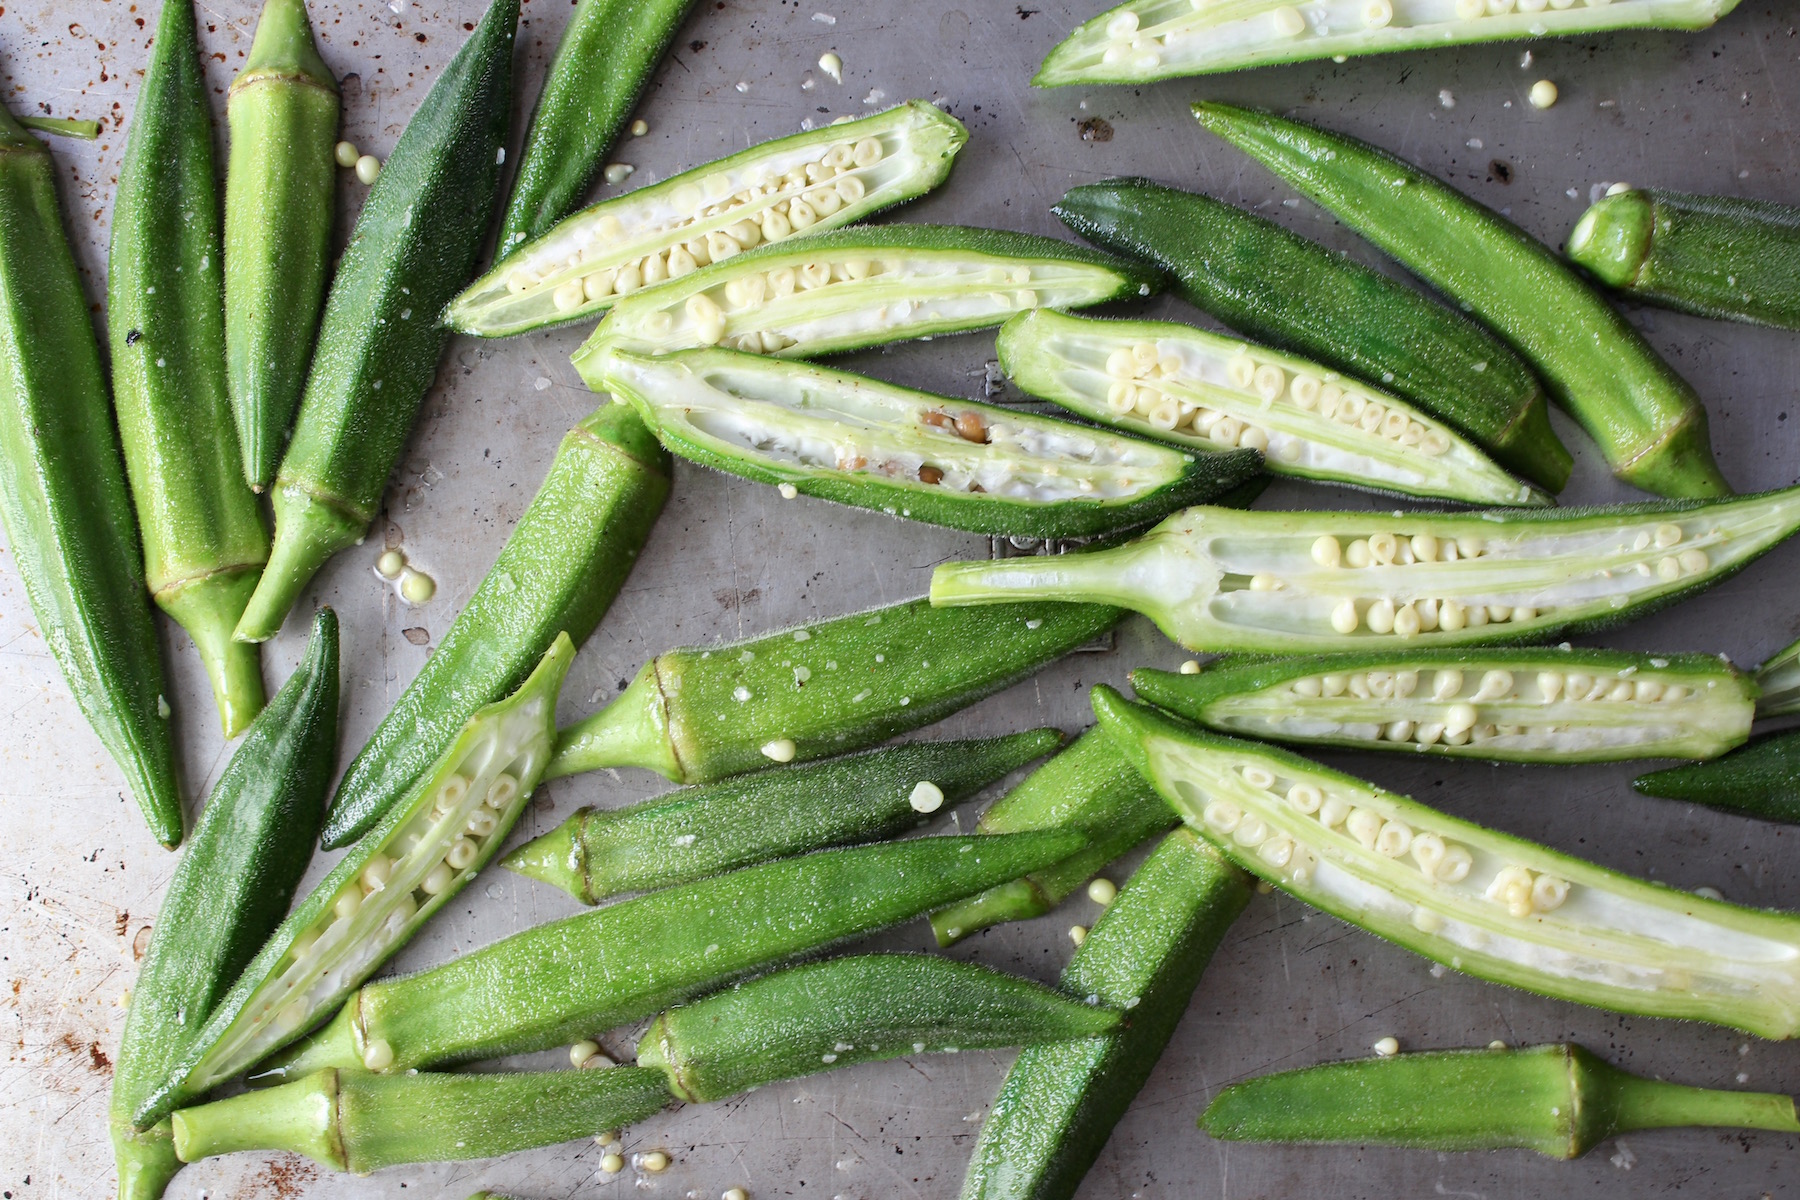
x=1761 y=779
x=1145 y=955
x=690 y=834
x=230 y=891
x=69 y=525
x=1558 y=1100
x=558 y=572
x=204 y=541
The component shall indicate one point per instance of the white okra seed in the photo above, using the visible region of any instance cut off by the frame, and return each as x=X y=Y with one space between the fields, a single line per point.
x=1382 y=547
x=1258 y=777
x=1693 y=561
x=1405 y=683
x=378 y=1055
x=1102 y=891
x=612 y=1164
x=1668 y=569
x=1387 y=1047
x=482 y=822
x=1191 y=667
x=1428 y=851
x=376 y=872
x=461 y=853
x=1364 y=826
x=1251 y=831
x=1241 y=371
x=348 y=903
x=580 y=1052
x=1429 y=733
x=1305 y=798
x=1269 y=381
x=1309 y=687
x=1334 y=685
x=1359 y=686
x=1647 y=690
x=1548 y=893
x=1381 y=616
x=1344 y=618
x=568 y=296
x=438 y=880
x=1407 y=622
x=1326 y=552
x=1667 y=534
x=1446 y=683
x=368 y=168
x=1305 y=391
x=1277 y=851
x=1222 y=815
x=781 y=750
x=1357 y=555
x=656 y=1161
x=1424 y=547
x=1078 y=934
x=1399 y=731
x=1452 y=616
x=1460 y=718
x=346 y=154
x=1549 y=685
x=1456 y=864
x=1333 y=811
x=1494 y=685
x=501 y=792
x=926 y=797
x=1394 y=839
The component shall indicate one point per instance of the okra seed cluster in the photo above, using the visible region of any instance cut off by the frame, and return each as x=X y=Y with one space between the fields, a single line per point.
x=1524 y=892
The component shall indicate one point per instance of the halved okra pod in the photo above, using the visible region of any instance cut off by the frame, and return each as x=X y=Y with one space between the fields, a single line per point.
x=694 y=715
x=1285 y=290
x=413 y=248
x=804 y=183
x=558 y=572
x=1558 y=1100
x=69 y=525
x=1206 y=392
x=375 y=898
x=1779 y=680
x=1717 y=256
x=1276 y=582
x=862 y=1008
x=690 y=834
x=1556 y=705
x=950 y=462
x=204 y=541
x=1645 y=418
x=563 y=981
x=1485 y=903
x=1089 y=787
x=860 y=287
x=1758 y=780
x=1145 y=955
x=230 y=890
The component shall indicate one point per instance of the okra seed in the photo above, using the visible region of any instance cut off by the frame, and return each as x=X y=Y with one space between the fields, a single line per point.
x=1358 y=553
x=1406 y=682
x=1344 y=618
x=1667 y=534
x=1675 y=692
x=926 y=797
x=1190 y=667
x=1380 y=616
x=1394 y=839
x=1460 y=718
x=1222 y=815
x=1289 y=22
x=1333 y=685
x=1548 y=893
x=1269 y=381
x=438 y=880
x=1693 y=561
x=1456 y=864
x=1258 y=777
x=1251 y=831
x=481 y=823
x=1549 y=685
x=1305 y=798
x=1399 y=731
x=1277 y=851
x=640 y=127
x=377 y=872
x=1424 y=547
x=346 y=154
x=598 y=286
x=1647 y=690
x=736 y=1193
x=378 y=1055
x=1524 y=613
x=1452 y=616
x=1262 y=581
x=1407 y=622
x=1428 y=851
x=501 y=792
x=390 y=564
x=780 y=750
x=1309 y=687
x=416 y=587
x=612 y=1164
x=1377 y=13
x=1078 y=934
x=347 y=904
x=1102 y=891
x=1326 y=552
x=1387 y=1047
x=1333 y=810
x=580 y=1052
x=1364 y=826
x=1494 y=684
x=461 y=853
x=1254 y=439
x=368 y=168
x=1241 y=371
x=1446 y=683
x=1668 y=569
x=1621 y=691
x=569 y=296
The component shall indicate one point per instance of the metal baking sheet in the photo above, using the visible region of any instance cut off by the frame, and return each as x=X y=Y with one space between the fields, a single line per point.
x=81 y=878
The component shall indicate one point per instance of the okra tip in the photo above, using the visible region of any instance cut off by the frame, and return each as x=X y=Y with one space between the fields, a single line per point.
x=208 y=608
x=556 y=858
x=1681 y=466
x=1612 y=238
x=307 y=533
x=284 y=44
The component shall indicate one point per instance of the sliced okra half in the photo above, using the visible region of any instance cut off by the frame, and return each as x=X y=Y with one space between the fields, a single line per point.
x=1204 y=391
x=1222 y=580
x=1779 y=679
x=1491 y=905
x=803 y=184
x=1527 y=705
x=911 y=454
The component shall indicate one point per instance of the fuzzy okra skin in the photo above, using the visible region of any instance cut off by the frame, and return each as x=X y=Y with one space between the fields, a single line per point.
x=559 y=571
x=855 y=1009
x=1088 y=787
x=951 y=462
x=375 y=898
x=63 y=499
x=1145 y=955
x=1202 y=391
x=203 y=535
x=566 y=980
x=1559 y=1100
x=1779 y=679
x=1645 y=418
x=1216 y=579
x=413 y=248
x=805 y=183
x=694 y=833
x=1491 y=905
x=229 y=892
x=1546 y=704
x=1759 y=780
x=1283 y=289
x=860 y=287
x=695 y=715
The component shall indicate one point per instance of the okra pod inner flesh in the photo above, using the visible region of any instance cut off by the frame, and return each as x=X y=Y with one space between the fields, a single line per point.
x=1779 y=679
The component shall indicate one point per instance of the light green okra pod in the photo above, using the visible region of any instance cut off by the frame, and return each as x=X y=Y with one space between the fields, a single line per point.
x=1779 y=679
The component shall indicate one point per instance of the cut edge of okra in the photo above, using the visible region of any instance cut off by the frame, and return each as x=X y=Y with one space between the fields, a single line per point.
x=1779 y=679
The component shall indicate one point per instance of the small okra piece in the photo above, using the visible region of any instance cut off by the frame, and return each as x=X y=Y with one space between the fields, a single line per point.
x=861 y=1008
x=1481 y=902
x=351 y=1120
x=85 y=131
x=1779 y=679
x=695 y=714
x=1556 y=705
x=566 y=980
x=1203 y=391
x=853 y=288
x=697 y=832
x=794 y=186
x=1559 y=1100
x=376 y=897
x=1145 y=956
x=1761 y=779
x=1221 y=580
x=1089 y=787
x=950 y=462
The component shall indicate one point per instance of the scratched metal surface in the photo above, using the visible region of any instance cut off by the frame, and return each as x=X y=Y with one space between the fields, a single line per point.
x=82 y=879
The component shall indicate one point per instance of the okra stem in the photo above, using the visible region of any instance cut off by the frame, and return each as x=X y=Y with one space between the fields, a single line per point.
x=87 y=131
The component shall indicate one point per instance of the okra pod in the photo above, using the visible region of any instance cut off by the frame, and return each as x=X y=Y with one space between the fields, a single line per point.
x=695 y=715
x=413 y=248
x=697 y=832
x=1205 y=392
x=1556 y=705
x=1715 y=256
x=204 y=541
x=230 y=890
x=69 y=525
x=862 y=1008
x=805 y=183
x=1645 y=418
x=1759 y=780
x=563 y=981
x=1283 y=289
x=1145 y=955
x=1779 y=680
x=1485 y=903
x=410 y=865
x=1276 y=582
x=85 y=131
x=950 y=462
x=1559 y=1100
x=1088 y=787
x=279 y=199
x=860 y=287
x=558 y=572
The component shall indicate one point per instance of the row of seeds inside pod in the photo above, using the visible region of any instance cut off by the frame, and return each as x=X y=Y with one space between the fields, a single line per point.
x=1447 y=684
x=1414 y=617
x=1670 y=566
x=1394 y=550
